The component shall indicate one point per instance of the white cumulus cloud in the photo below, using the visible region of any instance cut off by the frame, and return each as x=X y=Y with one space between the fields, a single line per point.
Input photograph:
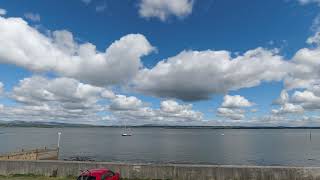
x=305 y=72
x=284 y=98
x=235 y=101
x=163 y=9
x=121 y=102
x=288 y=108
x=171 y=108
x=67 y=100
x=234 y=114
x=196 y=75
x=59 y=99
x=25 y=46
x=69 y=93
x=286 y=105
x=134 y=111
x=307 y=99
x=232 y=107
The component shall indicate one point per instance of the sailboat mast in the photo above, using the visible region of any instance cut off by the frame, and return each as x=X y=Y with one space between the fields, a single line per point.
x=310 y=136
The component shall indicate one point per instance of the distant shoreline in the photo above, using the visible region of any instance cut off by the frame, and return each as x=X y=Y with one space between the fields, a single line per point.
x=66 y=125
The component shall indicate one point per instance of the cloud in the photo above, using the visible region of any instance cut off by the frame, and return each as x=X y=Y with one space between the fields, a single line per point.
x=67 y=100
x=314 y=39
x=300 y=101
x=101 y=7
x=284 y=98
x=108 y=94
x=68 y=93
x=33 y=16
x=305 y=72
x=316 y=24
x=58 y=52
x=135 y=111
x=304 y=75
x=1 y=88
x=305 y=79
x=288 y=108
x=86 y=1
x=234 y=114
x=232 y=107
x=307 y=99
x=303 y=2
x=188 y=76
x=3 y=12
x=60 y=99
x=48 y=114
x=197 y=75
x=121 y=102
x=236 y=101
x=163 y=9
x=171 y=108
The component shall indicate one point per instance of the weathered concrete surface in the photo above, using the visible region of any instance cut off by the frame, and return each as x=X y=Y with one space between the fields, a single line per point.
x=170 y=171
x=35 y=154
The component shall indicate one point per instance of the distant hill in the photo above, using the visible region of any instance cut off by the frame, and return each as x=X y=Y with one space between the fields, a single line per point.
x=58 y=124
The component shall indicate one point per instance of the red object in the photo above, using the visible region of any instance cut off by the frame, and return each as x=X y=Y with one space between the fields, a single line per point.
x=99 y=174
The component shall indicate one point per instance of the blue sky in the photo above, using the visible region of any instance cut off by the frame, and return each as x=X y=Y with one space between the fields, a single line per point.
x=195 y=30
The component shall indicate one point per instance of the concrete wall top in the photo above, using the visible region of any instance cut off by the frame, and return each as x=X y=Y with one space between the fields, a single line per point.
x=162 y=171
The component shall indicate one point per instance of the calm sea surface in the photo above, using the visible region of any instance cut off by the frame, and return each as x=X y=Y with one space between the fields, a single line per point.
x=160 y=145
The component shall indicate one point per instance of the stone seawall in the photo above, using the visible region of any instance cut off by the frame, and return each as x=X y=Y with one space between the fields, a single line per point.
x=168 y=171
x=36 y=154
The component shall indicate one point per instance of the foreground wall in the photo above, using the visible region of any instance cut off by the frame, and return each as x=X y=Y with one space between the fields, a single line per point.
x=151 y=171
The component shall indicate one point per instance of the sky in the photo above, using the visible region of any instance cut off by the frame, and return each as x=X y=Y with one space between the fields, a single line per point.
x=182 y=62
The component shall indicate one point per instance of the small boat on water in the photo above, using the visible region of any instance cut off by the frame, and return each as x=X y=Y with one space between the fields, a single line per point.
x=127 y=132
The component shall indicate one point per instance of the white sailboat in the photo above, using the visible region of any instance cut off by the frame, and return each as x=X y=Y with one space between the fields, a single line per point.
x=127 y=132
